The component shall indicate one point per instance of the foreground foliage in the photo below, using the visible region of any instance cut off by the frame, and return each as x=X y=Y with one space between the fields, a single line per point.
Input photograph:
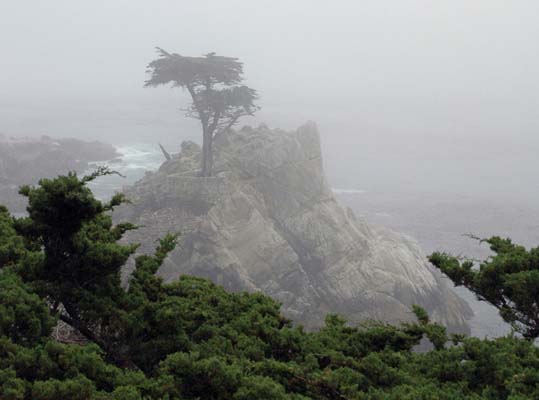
x=191 y=339
x=509 y=280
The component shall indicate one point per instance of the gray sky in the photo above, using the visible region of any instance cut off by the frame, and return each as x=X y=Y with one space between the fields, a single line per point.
x=446 y=81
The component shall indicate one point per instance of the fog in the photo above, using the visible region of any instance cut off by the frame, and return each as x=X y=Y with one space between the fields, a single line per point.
x=409 y=95
x=429 y=107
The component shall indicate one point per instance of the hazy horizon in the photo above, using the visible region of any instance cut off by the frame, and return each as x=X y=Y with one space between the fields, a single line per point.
x=410 y=94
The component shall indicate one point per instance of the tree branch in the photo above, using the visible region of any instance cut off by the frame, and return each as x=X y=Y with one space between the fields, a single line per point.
x=215 y=121
x=201 y=113
x=165 y=153
x=229 y=125
x=85 y=331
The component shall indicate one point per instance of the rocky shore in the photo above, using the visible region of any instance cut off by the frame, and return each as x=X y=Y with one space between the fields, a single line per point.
x=26 y=160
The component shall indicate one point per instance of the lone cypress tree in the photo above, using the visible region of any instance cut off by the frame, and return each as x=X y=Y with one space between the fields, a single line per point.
x=214 y=84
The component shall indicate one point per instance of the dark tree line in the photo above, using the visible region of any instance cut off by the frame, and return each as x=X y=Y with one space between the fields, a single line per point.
x=190 y=339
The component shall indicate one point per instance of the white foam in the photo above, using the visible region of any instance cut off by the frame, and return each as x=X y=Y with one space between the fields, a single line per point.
x=133 y=161
x=347 y=191
x=140 y=156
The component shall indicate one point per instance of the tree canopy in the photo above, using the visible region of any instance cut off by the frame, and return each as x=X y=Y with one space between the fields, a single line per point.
x=191 y=339
x=219 y=99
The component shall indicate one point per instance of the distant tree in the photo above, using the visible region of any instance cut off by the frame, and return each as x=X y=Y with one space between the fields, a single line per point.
x=509 y=281
x=214 y=84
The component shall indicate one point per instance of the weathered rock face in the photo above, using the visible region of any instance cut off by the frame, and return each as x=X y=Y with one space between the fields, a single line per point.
x=24 y=161
x=268 y=221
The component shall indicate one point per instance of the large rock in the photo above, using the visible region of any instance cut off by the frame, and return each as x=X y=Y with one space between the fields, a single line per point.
x=269 y=221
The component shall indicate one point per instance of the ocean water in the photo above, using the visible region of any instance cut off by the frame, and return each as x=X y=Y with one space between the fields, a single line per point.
x=134 y=162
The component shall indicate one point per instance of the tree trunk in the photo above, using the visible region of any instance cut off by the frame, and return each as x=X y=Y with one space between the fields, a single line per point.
x=206 y=151
x=209 y=162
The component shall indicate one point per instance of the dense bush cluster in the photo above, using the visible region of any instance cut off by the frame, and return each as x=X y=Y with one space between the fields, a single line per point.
x=191 y=339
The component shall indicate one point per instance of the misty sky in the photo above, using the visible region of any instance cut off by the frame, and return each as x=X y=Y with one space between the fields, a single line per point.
x=435 y=90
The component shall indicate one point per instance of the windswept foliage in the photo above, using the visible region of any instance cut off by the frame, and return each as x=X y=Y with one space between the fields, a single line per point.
x=190 y=339
x=509 y=280
x=219 y=99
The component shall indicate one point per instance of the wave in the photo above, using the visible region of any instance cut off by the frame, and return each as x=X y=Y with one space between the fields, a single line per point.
x=141 y=156
x=134 y=160
x=135 y=151
x=347 y=191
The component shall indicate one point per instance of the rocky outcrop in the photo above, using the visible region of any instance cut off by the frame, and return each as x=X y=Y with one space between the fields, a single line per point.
x=269 y=221
x=26 y=160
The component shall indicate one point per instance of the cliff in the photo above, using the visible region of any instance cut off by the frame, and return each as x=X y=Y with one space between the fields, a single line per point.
x=269 y=221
